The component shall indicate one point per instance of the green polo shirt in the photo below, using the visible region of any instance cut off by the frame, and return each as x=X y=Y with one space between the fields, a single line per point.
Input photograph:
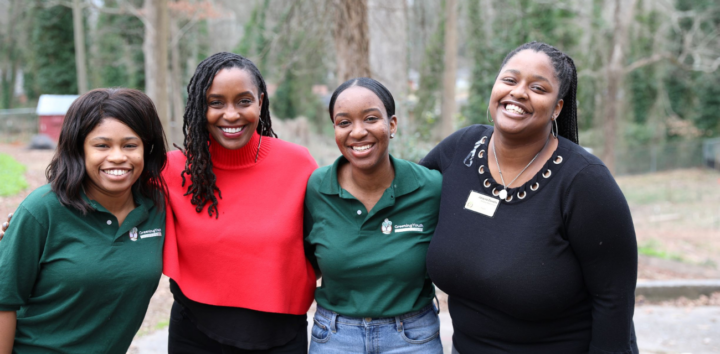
x=372 y=263
x=79 y=283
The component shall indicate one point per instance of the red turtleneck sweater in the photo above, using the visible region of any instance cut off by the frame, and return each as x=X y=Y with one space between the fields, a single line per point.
x=252 y=255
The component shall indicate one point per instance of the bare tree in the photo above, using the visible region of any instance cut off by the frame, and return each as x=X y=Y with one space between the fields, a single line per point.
x=450 y=70
x=155 y=48
x=388 y=48
x=352 y=40
x=615 y=72
x=9 y=53
x=79 y=33
x=176 y=84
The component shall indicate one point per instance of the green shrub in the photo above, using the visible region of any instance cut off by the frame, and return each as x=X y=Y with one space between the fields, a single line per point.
x=12 y=179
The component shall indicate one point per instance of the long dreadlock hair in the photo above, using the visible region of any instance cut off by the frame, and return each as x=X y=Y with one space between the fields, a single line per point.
x=197 y=137
x=566 y=73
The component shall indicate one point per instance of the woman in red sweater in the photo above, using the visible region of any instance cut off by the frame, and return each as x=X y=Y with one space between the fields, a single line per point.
x=234 y=243
x=238 y=270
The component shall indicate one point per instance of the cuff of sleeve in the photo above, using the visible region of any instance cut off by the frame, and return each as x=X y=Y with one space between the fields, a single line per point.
x=9 y=308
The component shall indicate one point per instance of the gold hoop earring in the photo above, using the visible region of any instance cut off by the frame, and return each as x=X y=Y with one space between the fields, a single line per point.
x=487 y=115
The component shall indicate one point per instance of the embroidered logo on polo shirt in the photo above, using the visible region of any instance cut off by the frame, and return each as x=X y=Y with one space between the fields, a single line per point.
x=133 y=234
x=151 y=233
x=409 y=227
x=386 y=227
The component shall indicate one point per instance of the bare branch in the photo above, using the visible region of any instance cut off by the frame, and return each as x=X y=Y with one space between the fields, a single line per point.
x=646 y=61
x=184 y=30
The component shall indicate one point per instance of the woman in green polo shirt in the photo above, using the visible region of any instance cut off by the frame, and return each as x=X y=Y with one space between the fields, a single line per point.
x=83 y=255
x=369 y=220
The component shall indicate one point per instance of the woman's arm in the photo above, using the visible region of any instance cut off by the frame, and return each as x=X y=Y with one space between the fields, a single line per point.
x=601 y=233
x=8 y=320
x=308 y=223
x=20 y=254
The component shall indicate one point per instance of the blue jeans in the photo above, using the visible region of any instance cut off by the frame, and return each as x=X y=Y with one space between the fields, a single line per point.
x=416 y=332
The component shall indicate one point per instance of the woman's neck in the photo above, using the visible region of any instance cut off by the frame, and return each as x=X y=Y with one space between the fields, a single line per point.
x=517 y=152
x=378 y=178
x=120 y=205
x=367 y=185
x=515 y=157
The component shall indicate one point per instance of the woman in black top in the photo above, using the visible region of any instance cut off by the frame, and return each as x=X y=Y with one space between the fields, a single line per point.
x=535 y=244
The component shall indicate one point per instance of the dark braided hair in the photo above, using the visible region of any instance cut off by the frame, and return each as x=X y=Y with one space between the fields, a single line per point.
x=197 y=137
x=566 y=73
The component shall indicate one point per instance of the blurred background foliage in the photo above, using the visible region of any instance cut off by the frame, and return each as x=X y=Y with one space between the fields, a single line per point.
x=668 y=50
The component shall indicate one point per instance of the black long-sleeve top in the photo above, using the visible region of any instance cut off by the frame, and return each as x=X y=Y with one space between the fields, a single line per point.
x=553 y=272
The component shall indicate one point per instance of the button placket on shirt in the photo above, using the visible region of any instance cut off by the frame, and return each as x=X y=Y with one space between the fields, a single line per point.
x=356 y=209
x=386 y=201
x=360 y=214
x=109 y=223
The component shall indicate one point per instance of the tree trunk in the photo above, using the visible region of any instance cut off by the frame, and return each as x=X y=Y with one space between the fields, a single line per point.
x=79 y=33
x=351 y=35
x=615 y=75
x=450 y=70
x=9 y=64
x=176 y=87
x=388 y=52
x=156 y=58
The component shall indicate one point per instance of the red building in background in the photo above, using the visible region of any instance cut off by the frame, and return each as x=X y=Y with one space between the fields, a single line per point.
x=51 y=111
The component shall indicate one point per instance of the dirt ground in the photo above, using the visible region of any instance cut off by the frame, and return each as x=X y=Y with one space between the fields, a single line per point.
x=676 y=216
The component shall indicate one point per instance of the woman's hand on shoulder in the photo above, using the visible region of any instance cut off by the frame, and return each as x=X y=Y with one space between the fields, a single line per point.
x=5 y=226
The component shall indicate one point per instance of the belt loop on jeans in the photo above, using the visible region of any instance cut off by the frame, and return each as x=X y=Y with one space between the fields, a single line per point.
x=333 y=320
x=398 y=324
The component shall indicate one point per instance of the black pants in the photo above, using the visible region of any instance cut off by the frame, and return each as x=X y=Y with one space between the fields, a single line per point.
x=186 y=338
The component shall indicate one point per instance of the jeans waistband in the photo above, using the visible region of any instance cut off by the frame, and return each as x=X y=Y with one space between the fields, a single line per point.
x=330 y=315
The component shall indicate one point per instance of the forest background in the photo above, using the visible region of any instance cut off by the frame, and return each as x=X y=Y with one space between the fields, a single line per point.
x=648 y=78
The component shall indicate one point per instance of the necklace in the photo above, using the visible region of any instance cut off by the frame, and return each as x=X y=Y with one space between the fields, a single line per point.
x=503 y=193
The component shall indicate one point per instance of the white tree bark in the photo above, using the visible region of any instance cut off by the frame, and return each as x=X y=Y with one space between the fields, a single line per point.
x=447 y=125
x=176 y=88
x=388 y=50
x=79 y=33
x=351 y=36
x=615 y=73
x=155 y=48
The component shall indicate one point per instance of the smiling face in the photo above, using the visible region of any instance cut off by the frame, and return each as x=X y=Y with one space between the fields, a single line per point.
x=525 y=95
x=233 y=108
x=114 y=159
x=362 y=128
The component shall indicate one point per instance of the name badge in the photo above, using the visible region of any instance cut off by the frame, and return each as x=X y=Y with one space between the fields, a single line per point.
x=482 y=204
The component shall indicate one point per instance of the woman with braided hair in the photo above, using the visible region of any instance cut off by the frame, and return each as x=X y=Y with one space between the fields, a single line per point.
x=234 y=243
x=535 y=245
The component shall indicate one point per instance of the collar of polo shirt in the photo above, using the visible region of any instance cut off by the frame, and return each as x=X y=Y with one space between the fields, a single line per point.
x=406 y=179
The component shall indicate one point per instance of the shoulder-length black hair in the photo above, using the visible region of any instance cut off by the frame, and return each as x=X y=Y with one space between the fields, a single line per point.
x=198 y=164
x=567 y=75
x=371 y=84
x=66 y=173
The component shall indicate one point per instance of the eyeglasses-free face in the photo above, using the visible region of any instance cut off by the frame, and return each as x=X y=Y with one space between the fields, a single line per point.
x=233 y=112
x=114 y=159
x=362 y=128
x=524 y=97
